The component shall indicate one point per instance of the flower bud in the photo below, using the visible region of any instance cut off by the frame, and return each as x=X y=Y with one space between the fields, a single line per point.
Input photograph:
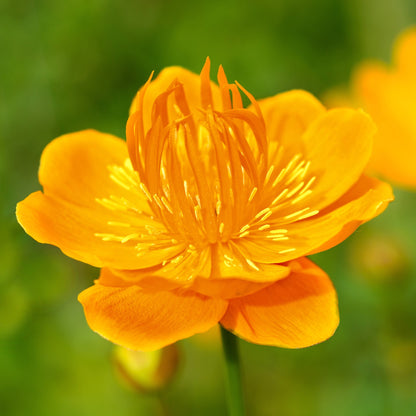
x=146 y=371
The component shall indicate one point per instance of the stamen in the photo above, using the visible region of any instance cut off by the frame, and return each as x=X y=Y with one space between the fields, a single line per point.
x=229 y=258
x=309 y=183
x=278 y=231
x=296 y=172
x=309 y=214
x=296 y=213
x=266 y=215
x=177 y=259
x=198 y=215
x=112 y=205
x=252 y=194
x=301 y=196
x=218 y=207
x=264 y=227
x=119 y=182
x=115 y=203
x=246 y=227
x=277 y=237
x=263 y=211
x=279 y=177
x=280 y=196
x=108 y=237
x=269 y=173
x=289 y=250
x=252 y=265
x=158 y=201
x=118 y=224
x=145 y=191
x=166 y=204
x=295 y=189
x=305 y=169
x=379 y=205
x=129 y=237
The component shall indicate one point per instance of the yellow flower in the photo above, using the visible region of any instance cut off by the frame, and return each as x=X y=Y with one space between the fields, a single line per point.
x=205 y=215
x=389 y=96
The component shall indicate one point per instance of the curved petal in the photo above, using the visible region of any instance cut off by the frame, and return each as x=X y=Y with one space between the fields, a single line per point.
x=336 y=144
x=141 y=320
x=76 y=168
x=295 y=312
x=85 y=235
x=215 y=271
x=89 y=215
x=234 y=275
x=288 y=115
x=365 y=200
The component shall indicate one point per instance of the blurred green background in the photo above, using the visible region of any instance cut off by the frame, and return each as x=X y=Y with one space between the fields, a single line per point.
x=75 y=64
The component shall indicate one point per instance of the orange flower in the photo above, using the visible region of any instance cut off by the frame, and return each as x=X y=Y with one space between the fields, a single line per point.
x=389 y=96
x=204 y=216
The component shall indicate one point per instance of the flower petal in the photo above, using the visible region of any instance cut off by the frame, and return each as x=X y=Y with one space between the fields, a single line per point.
x=295 y=312
x=74 y=230
x=75 y=174
x=337 y=143
x=288 y=115
x=215 y=271
x=233 y=275
x=75 y=167
x=142 y=320
x=365 y=200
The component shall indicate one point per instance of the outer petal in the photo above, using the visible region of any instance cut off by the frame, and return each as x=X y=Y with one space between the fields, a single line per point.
x=288 y=115
x=140 y=320
x=232 y=276
x=365 y=200
x=74 y=173
x=215 y=271
x=74 y=167
x=337 y=143
x=295 y=312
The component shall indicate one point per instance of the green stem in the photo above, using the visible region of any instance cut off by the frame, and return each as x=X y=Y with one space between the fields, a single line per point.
x=232 y=361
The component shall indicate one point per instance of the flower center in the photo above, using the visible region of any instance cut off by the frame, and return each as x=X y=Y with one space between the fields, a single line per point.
x=206 y=174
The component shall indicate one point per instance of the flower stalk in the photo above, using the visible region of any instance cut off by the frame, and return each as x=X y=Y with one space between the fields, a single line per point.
x=233 y=372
